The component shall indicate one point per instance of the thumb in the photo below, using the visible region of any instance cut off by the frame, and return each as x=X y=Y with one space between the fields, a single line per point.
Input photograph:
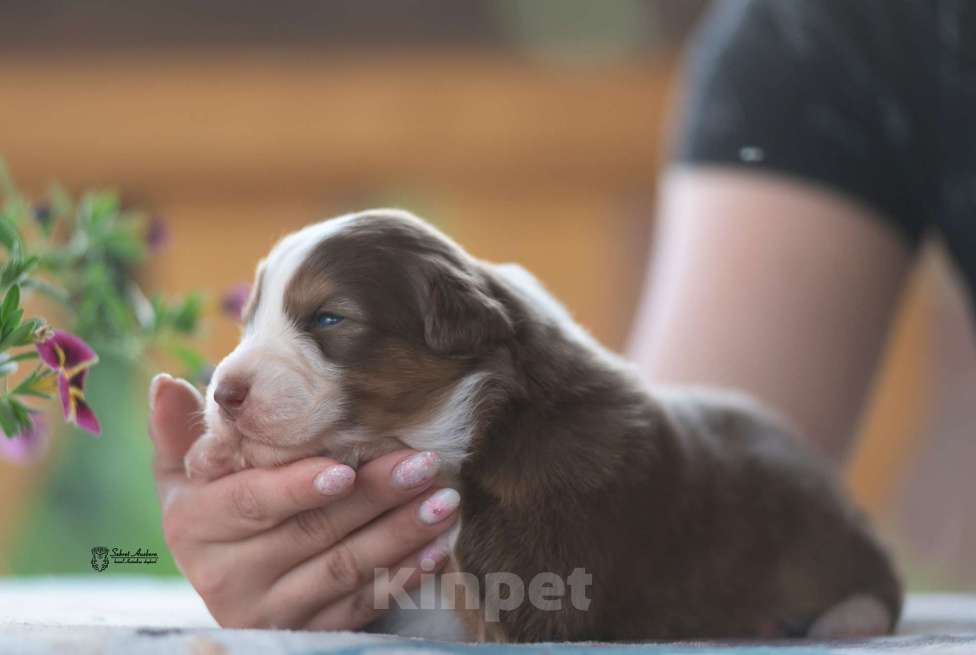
x=176 y=420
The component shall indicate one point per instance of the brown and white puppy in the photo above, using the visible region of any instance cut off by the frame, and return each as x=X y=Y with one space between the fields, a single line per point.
x=696 y=513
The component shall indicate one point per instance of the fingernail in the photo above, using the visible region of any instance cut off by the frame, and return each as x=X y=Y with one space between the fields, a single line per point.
x=416 y=470
x=334 y=480
x=439 y=506
x=435 y=554
x=154 y=388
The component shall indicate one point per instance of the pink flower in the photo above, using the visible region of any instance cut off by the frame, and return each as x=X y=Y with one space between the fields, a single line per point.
x=27 y=446
x=70 y=358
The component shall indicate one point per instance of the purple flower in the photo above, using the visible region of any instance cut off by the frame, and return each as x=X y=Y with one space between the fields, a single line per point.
x=70 y=358
x=27 y=446
x=157 y=235
x=43 y=214
x=233 y=301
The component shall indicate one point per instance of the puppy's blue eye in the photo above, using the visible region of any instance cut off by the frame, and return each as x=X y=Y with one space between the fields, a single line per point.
x=327 y=319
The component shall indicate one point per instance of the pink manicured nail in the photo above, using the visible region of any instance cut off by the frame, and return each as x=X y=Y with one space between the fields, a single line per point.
x=334 y=480
x=439 y=506
x=416 y=470
x=434 y=555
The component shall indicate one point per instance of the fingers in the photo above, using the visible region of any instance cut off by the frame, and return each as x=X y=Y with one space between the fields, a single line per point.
x=241 y=505
x=382 y=484
x=284 y=589
x=308 y=494
x=350 y=565
x=365 y=605
x=215 y=530
x=176 y=421
x=295 y=608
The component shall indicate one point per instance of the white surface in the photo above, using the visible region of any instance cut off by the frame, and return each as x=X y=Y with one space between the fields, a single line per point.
x=144 y=615
x=109 y=601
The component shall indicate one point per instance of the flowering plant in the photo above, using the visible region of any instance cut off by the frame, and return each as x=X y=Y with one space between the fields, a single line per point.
x=79 y=259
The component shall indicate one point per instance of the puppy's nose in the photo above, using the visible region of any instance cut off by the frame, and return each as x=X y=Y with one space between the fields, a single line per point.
x=231 y=394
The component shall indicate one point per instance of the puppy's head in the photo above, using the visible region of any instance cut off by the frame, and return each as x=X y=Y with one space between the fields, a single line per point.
x=360 y=331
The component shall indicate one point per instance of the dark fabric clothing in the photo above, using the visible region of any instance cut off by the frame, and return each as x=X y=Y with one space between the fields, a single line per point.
x=875 y=99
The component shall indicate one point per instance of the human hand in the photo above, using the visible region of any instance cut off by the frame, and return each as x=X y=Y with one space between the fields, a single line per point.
x=294 y=546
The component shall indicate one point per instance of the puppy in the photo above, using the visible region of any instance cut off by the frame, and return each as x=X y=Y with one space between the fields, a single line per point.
x=695 y=513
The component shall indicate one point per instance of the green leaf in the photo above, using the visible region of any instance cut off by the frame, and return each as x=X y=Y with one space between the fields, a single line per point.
x=9 y=236
x=13 y=323
x=11 y=302
x=47 y=289
x=187 y=315
x=104 y=205
x=124 y=246
x=29 y=264
x=96 y=210
x=15 y=208
x=16 y=268
x=36 y=384
x=160 y=312
x=21 y=413
x=11 y=271
x=23 y=334
x=8 y=419
x=24 y=356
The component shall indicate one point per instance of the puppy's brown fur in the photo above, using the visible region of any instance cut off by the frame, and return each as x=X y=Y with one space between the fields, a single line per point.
x=697 y=514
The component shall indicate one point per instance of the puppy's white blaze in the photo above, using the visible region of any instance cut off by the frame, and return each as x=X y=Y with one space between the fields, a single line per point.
x=281 y=264
x=284 y=260
x=313 y=400
x=451 y=427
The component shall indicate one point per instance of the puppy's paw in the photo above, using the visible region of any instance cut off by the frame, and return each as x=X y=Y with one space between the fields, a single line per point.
x=210 y=458
x=855 y=617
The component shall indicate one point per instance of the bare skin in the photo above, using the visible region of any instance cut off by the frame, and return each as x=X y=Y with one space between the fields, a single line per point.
x=773 y=286
x=266 y=548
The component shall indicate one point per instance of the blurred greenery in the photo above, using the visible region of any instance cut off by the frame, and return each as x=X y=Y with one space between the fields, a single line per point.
x=86 y=256
x=98 y=492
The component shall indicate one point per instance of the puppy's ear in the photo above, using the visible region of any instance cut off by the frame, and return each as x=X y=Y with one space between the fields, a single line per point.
x=461 y=318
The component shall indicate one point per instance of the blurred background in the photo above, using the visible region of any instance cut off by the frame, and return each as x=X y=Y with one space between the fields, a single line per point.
x=530 y=130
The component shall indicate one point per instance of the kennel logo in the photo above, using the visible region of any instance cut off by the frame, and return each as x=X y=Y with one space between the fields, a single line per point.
x=102 y=556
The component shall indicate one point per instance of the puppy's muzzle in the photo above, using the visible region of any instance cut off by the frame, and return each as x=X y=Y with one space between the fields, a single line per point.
x=231 y=394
